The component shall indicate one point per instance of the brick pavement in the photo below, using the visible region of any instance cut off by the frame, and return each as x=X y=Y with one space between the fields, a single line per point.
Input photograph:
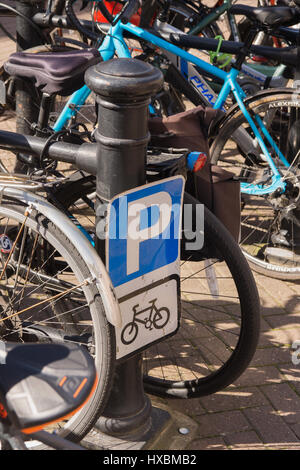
x=261 y=410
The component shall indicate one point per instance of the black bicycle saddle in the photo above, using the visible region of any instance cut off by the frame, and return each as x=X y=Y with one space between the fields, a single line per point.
x=271 y=17
x=59 y=73
x=42 y=383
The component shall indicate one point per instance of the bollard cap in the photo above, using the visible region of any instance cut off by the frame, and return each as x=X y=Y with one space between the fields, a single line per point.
x=124 y=79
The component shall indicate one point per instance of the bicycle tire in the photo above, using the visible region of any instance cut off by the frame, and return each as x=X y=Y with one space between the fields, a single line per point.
x=156 y=323
x=180 y=13
x=217 y=240
x=133 y=327
x=270 y=258
x=88 y=318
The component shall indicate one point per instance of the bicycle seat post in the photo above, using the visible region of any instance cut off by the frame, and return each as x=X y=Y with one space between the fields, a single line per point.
x=123 y=88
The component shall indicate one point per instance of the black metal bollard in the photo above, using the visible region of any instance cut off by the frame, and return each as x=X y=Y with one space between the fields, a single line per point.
x=123 y=89
x=27 y=37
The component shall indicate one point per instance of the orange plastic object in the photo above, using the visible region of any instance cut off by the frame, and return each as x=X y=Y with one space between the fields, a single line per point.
x=201 y=160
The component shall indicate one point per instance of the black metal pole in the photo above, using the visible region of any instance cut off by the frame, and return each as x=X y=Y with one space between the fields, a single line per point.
x=123 y=89
x=27 y=37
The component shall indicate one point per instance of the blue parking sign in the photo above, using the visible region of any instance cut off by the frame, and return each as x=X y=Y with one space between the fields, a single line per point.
x=144 y=229
x=142 y=253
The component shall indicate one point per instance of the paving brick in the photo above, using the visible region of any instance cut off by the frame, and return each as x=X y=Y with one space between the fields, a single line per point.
x=295 y=287
x=258 y=376
x=264 y=325
x=285 y=321
x=234 y=399
x=284 y=400
x=291 y=374
x=281 y=293
x=284 y=446
x=213 y=443
x=271 y=356
x=222 y=424
x=296 y=429
x=248 y=440
x=268 y=308
x=280 y=336
x=267 y=305
x=296 y=385
x=270 y=427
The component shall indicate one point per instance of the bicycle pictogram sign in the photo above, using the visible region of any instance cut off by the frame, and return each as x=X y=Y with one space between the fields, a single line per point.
x=143 y=253
x=158 y=318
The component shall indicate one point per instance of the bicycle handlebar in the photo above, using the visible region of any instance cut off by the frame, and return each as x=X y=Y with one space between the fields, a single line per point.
x=129 y=10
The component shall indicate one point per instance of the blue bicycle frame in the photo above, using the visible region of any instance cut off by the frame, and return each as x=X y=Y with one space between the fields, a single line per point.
x=114 y=43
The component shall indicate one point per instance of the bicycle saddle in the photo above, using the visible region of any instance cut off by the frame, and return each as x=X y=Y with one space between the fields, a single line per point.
x=268 y=16
x=42 y=383
x=59 y=73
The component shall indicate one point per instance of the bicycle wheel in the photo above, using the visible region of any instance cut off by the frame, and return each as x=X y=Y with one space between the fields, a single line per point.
x=220 y=309
x=48 y=295
x=161 y=318
x=219 y=326
x=129 y=333
x=270 y=224
x=183 y=16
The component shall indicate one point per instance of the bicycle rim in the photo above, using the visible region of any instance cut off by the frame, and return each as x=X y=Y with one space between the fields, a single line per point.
x=46 y=296
x=270 y=224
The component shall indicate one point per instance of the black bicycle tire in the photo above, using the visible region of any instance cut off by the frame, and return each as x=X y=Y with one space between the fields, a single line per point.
x=218 y=237
x=210 y=30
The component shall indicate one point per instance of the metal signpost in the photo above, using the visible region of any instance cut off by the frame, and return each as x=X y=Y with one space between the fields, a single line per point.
x=141 y=226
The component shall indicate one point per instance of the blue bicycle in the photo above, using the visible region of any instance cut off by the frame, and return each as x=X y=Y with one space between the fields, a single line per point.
x=257 y=138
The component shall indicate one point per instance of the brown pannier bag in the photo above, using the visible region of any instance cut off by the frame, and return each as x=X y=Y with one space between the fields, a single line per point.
x=214 y=186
